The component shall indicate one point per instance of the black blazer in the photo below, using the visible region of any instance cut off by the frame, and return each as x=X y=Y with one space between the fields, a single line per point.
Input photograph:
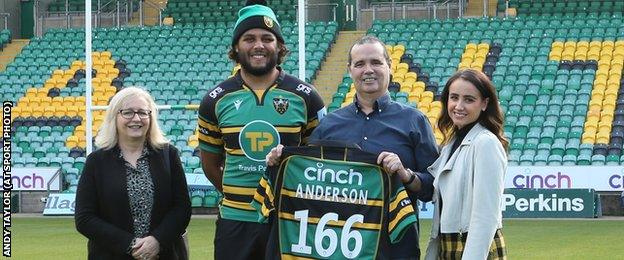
x=103 y=210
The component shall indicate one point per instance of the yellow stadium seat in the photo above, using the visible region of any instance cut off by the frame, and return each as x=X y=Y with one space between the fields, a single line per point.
x=588 y=138
x=602 y=138
x=605 y=56
x=34 y=101
x=426 y=96
x=580 y=55
x=402 y=68
x=557 y=45
x=483 y=46
x=436 y=104
x=68 y=101
x=37 y=111
x=23 y=101
x=72 y=110
x=106 y=55
x=438 y=135
x=31 y=92
x=100 y=101
x=58 y=73
x=595 y=104
x=49 y=111
x=611 y=91
x=411 y=75
x=554 y=56
x=112 y=73
x=480 y=55
x=477 y=65
x=60 y=111
x=17 y=111
x=414 y=95
x=56 y=102
x=406 y=87
x=399 y=48
x=610 y=44
x=613 y=81
x=418 y=87
x=468 y=55
x=471 y=46
x=567 y=56
x=569 y=45
x=583 y=44
x=109 y=63
x=72 y=141
x=349 y=96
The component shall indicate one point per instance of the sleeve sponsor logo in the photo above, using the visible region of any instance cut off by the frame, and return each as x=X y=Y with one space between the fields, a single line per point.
x=305 y=89
x=215 y=92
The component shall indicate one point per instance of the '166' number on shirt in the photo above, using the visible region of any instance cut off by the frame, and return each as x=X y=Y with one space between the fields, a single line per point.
x=321 y=233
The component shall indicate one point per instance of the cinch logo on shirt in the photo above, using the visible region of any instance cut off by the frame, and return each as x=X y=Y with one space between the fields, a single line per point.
x=257 y=138
x=328 y=175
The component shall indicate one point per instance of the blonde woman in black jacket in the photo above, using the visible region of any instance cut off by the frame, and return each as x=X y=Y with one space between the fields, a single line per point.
x=128 y=203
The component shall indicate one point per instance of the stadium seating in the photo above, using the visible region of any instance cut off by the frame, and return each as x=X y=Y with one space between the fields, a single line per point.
x=200 y=11
x=552 y=7
x=177 y=64
x=558 y=79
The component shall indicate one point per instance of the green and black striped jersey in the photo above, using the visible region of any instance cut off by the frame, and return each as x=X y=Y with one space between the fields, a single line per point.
x=332 y=203
x=246 y=124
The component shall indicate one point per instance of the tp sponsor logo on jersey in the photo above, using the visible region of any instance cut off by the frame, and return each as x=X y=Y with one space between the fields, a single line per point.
x=280 y=104
x=237 y=103
x=304 y=89
x=257 y=138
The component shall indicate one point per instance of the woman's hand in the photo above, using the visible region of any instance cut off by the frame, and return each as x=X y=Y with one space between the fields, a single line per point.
x=273 y=157
x=146 y=248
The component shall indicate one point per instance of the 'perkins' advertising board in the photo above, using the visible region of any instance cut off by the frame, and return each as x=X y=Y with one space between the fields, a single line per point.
x=548 y=203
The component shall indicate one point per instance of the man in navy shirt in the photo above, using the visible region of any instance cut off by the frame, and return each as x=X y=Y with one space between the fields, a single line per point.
x=401 y=135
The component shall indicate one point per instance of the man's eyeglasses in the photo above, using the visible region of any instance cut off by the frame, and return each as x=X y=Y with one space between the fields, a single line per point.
x=129 y=113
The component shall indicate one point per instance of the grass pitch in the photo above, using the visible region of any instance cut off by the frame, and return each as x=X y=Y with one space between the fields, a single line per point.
x=57 y=238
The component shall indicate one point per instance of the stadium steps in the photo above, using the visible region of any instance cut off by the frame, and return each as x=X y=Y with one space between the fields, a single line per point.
x=475 y=8
x=335 y=65
x=150 y=14
x=11 y=51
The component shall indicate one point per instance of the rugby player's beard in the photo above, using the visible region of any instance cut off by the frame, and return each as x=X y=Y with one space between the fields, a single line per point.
x=257 y=71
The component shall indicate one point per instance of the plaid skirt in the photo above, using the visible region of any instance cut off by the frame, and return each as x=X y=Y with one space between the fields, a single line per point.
x=452 y=246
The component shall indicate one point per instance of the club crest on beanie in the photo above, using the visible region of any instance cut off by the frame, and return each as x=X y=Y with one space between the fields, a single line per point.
x=256 y=14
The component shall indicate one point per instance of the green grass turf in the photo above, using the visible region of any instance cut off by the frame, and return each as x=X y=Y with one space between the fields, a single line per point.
x=56 y=238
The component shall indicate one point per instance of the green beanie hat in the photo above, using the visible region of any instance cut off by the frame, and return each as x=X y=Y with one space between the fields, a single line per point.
x=256 y=14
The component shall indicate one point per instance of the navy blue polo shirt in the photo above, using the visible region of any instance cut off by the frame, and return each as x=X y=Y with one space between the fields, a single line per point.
x=391 y=127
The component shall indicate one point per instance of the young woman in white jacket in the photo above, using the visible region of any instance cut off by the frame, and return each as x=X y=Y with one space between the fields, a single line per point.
x=469 y=173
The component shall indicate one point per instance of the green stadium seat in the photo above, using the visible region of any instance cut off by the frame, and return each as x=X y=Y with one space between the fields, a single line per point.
x=598 y=159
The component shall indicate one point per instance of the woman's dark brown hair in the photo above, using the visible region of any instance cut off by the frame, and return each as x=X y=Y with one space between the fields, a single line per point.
x=491 y=118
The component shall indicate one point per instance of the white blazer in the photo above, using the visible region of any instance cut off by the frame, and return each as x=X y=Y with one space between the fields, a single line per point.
x=470 y=184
